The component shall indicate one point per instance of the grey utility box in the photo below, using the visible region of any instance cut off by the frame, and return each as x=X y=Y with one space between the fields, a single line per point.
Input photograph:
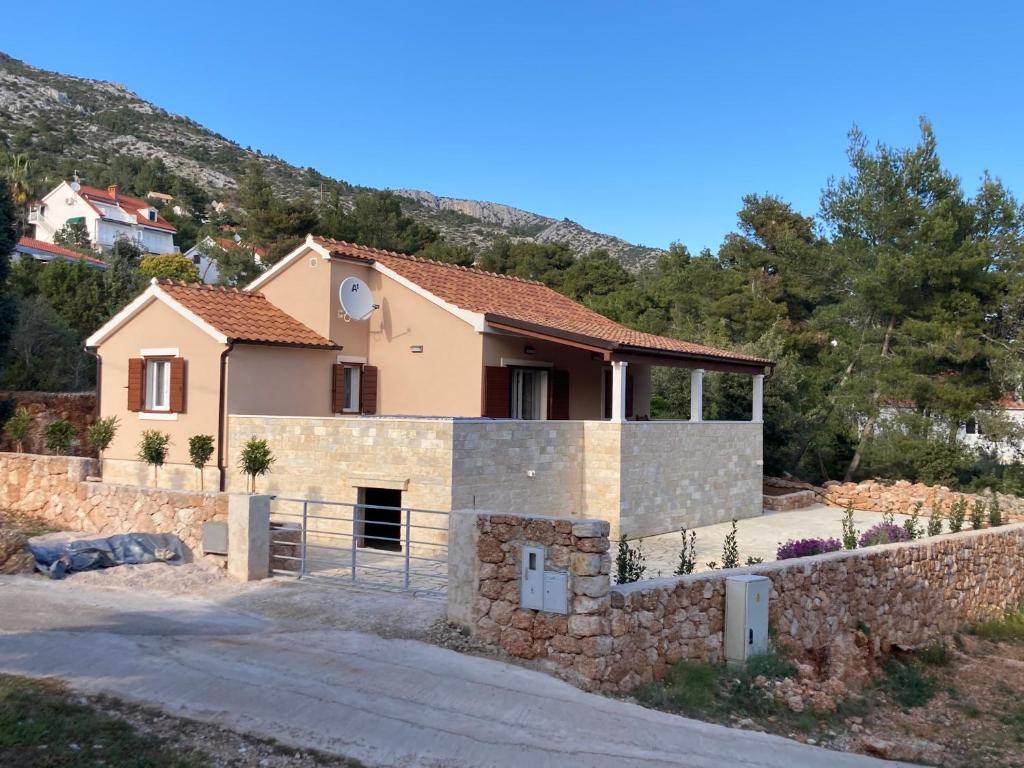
x=215 y=538
x=746 y=616
x=539 y=589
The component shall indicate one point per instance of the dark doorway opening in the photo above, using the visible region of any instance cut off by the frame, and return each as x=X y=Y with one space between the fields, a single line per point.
x=380 y=528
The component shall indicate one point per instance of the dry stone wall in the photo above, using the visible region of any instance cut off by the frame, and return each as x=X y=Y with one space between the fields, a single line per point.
x=46 y=407
x=55 y=489
x=841 y=611
x=901 y=497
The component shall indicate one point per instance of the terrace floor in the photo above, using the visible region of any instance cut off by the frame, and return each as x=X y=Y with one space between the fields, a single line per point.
x=756 y=536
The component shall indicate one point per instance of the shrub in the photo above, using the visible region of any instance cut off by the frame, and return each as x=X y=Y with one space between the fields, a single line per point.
x=978 y=514
x=912 y=525
x=200 y=449
x=101 y=433
x=807 y=547
x=908 y=683
x=884 y=533
x=849 y=532
x=957 y=512
x=17 y=427
x=630 y=563
x=255 y=460
x=58 y=436
x=731 y=549
x=995 y=515
x=153 y=449
x=935 y=520
x=687 y=554
x=1010 y=628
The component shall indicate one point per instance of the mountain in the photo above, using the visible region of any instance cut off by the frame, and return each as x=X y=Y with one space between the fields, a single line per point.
x=61 y=121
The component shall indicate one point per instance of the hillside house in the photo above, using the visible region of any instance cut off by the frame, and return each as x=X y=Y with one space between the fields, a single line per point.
x=207 y=267
x=37 y=250
x=462 y=389
x=107 y=215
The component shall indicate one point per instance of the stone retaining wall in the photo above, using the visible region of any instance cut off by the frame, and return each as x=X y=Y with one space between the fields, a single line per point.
x=901 y=496
x=55 y=489
x=46 y=407
x=840 y=611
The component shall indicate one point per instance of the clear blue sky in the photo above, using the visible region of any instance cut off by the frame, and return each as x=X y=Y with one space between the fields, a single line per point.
x=642 y=119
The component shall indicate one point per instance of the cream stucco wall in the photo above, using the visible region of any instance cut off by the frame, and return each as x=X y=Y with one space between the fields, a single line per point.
x=279 y=381
x=157 y=326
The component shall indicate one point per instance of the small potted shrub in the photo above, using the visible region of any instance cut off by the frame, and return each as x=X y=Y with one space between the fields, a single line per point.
x=153 y=450
x=200 y=449
x=58 y=436
x=17 y=428
x=101 y=434
x=255 y=460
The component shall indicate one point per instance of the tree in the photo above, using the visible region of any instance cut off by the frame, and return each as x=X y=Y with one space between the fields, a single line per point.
x=123 y=279
x=545 y=262
x=153 y=450
x=75 y=235
x=101 y=434
x=169 y=266
x=9 y=230
x=448 y=253
x=255 y=460
x=200 y=449
x=44 y=353
x=14 y=168
x=17 y=426
x=235 y=267
x=58 y=436
x=76 y=291
x=376 y=220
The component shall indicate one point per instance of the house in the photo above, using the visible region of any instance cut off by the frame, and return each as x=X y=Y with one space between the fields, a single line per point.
x=460 y=389
x=107 y=215
x=29 y=248
x=199 y=254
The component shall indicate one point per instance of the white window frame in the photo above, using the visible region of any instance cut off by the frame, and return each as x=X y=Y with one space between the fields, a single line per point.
x=150 y=381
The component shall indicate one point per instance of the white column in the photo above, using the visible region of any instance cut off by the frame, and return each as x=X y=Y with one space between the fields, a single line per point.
x=619 y=390
x=697 y=394
x=758 y=414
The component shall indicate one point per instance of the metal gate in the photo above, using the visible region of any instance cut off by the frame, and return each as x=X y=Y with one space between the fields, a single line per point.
x=399 y=548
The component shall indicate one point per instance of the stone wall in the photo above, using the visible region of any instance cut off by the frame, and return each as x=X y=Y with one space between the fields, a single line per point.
x=46 y=407
x=843 y=609
x=54 y=488
x=679 y=473
x=901 y=496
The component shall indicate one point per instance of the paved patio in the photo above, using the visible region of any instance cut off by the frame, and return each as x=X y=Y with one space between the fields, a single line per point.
x=757 y=536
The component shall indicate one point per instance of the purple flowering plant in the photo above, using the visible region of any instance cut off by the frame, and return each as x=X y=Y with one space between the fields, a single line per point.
x=884 y=533
x=806 y=547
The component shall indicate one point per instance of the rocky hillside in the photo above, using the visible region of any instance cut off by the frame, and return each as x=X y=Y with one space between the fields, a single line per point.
x=60 y=118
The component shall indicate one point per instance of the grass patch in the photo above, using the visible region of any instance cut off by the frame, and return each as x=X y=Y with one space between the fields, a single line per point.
x=1009 y=629
x=39 y=728
x=690 y=687
x=935 y=655
x=1014 y=718
x=908 y=683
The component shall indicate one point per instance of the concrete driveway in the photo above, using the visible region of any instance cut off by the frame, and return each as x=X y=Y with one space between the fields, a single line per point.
x=393 y=702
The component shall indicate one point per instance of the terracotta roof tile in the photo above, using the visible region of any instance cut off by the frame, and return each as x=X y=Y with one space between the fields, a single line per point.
x=524 y=301
x=242 y=316
x=58 y=250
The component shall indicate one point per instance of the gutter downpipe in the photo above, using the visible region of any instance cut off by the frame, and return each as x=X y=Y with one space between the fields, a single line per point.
x=222 y=414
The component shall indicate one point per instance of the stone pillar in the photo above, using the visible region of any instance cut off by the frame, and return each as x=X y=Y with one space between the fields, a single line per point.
x=248 y=536
x=619 y=390
x=697 y=394
x=758 y=415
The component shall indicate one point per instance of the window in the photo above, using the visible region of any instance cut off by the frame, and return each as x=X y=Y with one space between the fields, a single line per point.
x=151 y=214
x=351 y=388
x=529 y=390
x=158 y=385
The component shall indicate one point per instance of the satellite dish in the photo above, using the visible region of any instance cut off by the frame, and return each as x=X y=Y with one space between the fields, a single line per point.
x=356 y=298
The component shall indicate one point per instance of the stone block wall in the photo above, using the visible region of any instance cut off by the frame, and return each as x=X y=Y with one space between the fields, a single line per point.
x=54 y=488
x=677 y=473
x=46 y=407
x=618 y=637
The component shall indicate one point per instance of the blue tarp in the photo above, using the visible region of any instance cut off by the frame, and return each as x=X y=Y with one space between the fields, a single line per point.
x=57 y=560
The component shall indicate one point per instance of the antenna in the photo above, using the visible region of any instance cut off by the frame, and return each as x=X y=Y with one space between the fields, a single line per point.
x=356 y=299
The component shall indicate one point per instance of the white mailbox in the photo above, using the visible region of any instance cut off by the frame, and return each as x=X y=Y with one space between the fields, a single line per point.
x=746 y=616
x=556 y=592
x=531 y=582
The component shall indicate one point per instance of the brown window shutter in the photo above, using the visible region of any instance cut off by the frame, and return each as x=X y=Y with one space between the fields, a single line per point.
x=136 y=384
x=337 y=388
x=629 y=396
x=177 y=387
x=497 y=392
x=368 y=390
x=558 y=405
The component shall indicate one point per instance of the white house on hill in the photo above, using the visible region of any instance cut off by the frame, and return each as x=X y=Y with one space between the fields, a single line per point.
x=107 y=215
